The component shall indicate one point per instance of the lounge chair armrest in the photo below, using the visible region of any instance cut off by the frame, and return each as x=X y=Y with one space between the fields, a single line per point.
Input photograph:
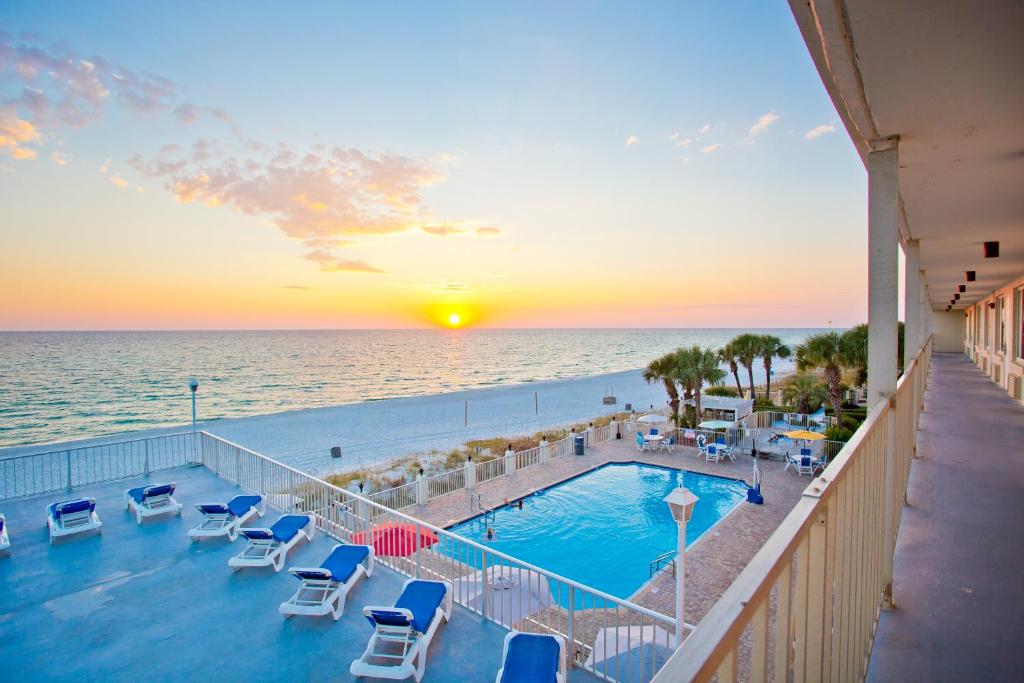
x=388 y=616
x=213 y=508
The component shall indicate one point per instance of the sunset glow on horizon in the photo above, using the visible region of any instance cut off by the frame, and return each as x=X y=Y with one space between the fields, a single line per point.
x=447 y=167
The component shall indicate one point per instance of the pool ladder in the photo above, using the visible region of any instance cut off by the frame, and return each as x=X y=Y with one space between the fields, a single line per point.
x=476 y=502
x=663 y=562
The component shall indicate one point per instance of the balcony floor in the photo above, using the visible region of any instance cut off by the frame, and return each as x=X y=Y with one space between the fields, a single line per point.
x=959 y=605
x=143 y=603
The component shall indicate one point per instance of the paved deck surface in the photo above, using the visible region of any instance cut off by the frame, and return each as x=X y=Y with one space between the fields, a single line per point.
x=959 y=555
x=142 y=603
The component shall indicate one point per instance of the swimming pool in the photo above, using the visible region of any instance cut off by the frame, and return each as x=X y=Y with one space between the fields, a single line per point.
x=604 y=527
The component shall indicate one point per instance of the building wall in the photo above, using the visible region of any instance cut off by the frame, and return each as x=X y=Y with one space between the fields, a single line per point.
x=994 y=336
x=947 y=331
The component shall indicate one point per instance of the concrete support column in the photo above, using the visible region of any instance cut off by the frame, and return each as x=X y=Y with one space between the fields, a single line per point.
x=470 y=474
x=883 y=312
x=510 y=461
x=545 y=452
x=883 y=214
x=911 y=302
x=421 y=489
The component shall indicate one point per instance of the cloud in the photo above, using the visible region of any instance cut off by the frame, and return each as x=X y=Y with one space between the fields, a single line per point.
x=680 y=141
x=119 y=181
x=53 y=86
x=710 y=148
x=303 y=288
x=60 y=158
x=332 y=264
x=459 y=229
x=818 y=131
x=15 y=133
x=762 y=123
x=703 y=130
x=632 y=140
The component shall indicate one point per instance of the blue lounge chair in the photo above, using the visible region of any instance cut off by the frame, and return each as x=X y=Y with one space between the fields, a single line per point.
x=324 y=588
x=402 y=634
x=5 y=540
x=225 y=520
x=146 y=501
x=269 y=547
x=532 y=658
x=642 y=444
x=72 y=517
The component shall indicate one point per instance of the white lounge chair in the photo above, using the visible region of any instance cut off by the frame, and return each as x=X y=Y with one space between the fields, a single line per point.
x=5 y=540
x=702 y=446
x=270 y=547
x=147 y=501
x=323 y=589
x=532 y=657
x=402 y=635
x=221 y=519
x=72 y=517
x=667 y=444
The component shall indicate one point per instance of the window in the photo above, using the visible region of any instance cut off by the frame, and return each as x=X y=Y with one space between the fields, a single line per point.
x=977 y=324
x=986 y=325
x=1018 y=322
x=1001 y=324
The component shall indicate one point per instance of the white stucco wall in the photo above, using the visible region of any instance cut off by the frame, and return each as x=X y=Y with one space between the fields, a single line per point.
x=948 y=331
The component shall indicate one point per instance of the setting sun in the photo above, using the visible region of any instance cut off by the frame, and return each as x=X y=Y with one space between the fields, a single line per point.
x=454 y=319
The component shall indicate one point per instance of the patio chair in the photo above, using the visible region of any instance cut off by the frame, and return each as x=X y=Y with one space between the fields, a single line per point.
x=667 y=444
x=5 y=540
x=402 y=634
x=72 y=517
x=147 y=501
x=803 y=464
x=702 y=446
x=531 y=657
x=642 y=443
x=726 y=451
x=654 y=431
x=714 y=453
x=323 y=589
x=270 y=547
x=221 y=519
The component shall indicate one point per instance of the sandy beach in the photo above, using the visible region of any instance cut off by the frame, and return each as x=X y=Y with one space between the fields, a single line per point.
x=375 y=432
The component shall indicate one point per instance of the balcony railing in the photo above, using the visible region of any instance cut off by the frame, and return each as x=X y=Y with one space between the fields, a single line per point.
x=807 y=605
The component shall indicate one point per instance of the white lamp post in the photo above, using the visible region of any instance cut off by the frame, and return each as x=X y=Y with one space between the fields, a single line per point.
x=681 y=502
x=193 y=386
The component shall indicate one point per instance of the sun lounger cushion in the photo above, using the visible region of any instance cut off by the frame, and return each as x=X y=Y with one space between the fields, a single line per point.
x=343 y=561
x=140 y=493
x=422 y=598
x=239 y=505
x=71 y=506
x=531 y=659
x=285 y=528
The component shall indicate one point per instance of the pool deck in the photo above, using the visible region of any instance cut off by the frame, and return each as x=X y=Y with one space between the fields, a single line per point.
x=144 y=603
x=711 y=564
x=957 y=569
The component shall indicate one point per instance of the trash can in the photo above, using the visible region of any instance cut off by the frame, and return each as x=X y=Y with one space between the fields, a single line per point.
x=578 y=445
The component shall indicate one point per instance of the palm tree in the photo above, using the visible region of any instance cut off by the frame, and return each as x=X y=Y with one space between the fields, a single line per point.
x=855 y=346
x=695 y=368
x=771 y=347
x=826 y=351
x=802 y=390
x=747 y=348
x=663 y=369
x=727 y=354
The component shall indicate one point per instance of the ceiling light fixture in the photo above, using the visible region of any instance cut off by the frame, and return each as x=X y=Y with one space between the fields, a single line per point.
x=971 y=275
x=991 y=249
x=962 y=288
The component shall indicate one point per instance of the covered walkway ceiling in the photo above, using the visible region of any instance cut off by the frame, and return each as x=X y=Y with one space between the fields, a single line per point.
x=946 y=77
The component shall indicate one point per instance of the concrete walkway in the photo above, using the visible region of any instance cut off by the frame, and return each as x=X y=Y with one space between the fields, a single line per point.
x=959 y=560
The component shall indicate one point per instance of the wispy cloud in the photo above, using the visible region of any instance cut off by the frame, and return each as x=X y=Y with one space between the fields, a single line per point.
x=302 y=288
x=818 y=131
x=16 y=134
x=60 y=158
x=711 y=148
x=119 y=181
x=680 y=141
x=187 y=113
x=459 y=229
x=632 y=140
x=762 y=124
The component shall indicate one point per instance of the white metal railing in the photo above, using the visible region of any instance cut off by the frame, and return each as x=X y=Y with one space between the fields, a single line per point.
x=765 y=419
x=807 y=604
x=64 y=469
x=490 y=469
x=544 y=603
x=397 y=497
x=445 y=483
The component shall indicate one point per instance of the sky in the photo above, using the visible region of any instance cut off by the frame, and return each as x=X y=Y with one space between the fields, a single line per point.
x=246 y=166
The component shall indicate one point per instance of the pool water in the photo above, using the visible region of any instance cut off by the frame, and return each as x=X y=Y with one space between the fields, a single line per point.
x=605 y=527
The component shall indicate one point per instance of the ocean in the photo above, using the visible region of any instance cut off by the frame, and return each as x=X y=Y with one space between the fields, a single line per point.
x=293 y=394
